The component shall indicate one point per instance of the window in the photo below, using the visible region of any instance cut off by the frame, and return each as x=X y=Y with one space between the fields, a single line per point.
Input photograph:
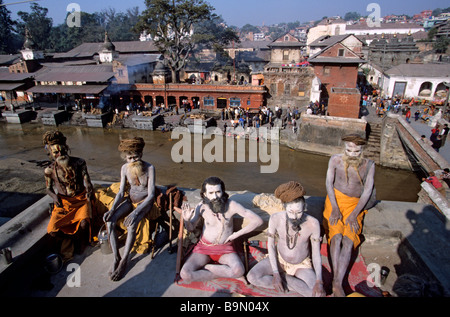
x=287 y=89
x=341 y=52
x=273 y=89
x=285 y=55
x=425 y=89
x=235 y=102
x=326 y=70
x=208 y=102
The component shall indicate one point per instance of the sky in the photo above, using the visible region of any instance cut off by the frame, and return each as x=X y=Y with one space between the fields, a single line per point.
x=241 y=12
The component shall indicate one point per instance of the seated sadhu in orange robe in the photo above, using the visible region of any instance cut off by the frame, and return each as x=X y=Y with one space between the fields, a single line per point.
x=350 y=184
x=70 y=217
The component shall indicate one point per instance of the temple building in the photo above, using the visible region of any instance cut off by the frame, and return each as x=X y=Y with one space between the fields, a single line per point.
x=287 y=75
x=336 y=69
x=387 y=52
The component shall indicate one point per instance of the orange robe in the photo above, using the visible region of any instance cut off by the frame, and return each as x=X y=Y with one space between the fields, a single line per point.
x=346 y=205
x=68 y=217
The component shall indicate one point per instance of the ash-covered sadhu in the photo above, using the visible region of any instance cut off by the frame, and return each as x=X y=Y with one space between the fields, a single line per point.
x=134 y=204
x=293 y=242
x=71 y=214
x=350 y=188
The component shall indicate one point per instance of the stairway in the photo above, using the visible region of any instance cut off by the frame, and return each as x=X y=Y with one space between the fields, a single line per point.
x=372 y=150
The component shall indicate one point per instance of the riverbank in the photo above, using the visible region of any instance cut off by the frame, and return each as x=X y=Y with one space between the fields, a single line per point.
x=23 y=159
x=387 y=229
x=397 y=235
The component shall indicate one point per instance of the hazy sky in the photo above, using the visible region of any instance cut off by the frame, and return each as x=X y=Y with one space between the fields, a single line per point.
x=241 y=12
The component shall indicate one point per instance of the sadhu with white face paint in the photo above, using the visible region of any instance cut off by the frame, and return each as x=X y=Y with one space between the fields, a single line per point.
x=294 y=262
x=349 y=183
x=133 y=202
x=71 y=214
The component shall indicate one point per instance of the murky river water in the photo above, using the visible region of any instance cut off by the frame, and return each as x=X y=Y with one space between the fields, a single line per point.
x=99 y=148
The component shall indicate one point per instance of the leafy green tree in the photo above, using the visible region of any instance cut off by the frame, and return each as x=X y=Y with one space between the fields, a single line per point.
x=38 y=25
x=293 y=25
x=441 y=45
x=64 y=38
x=120 y=26
x=92 y=29
x=352 y=16
x=249 y=28
x=171 y=24
x=6 y=30
x=214 y=33
x=432 y=34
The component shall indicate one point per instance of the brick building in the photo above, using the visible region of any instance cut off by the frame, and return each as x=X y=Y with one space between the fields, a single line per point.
x=207 y=97
x=336 y=68
x=286 y=75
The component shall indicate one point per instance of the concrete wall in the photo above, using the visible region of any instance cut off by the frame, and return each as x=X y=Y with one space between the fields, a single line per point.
x=392 y=153
x=289 y=86
x=323 y=134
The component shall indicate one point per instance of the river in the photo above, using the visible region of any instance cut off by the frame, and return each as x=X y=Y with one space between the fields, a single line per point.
x=99 y=148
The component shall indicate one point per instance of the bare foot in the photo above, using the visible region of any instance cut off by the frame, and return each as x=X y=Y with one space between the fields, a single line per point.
x=337 y=290
x=119 y=272
x=113 y=267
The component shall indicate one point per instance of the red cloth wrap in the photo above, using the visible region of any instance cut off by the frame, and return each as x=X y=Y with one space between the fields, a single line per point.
x=214 y=251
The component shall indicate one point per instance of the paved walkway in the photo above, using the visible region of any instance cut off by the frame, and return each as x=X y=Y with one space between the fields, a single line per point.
x=420 y=126
x=424 y=129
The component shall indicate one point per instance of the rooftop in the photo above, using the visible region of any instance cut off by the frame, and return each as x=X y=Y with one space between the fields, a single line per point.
x=384 y=26
x=87 y=73
x=420 y=70
x=126 y=47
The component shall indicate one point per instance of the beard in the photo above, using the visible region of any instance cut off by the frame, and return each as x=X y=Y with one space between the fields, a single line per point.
x=69 y=177
x=63 y=161
x=136 y=170
x=354 y=162
x=296 y=223
x=217 y=205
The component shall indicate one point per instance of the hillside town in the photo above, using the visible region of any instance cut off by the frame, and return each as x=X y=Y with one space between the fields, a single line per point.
x=300 y=67
x=351 y=100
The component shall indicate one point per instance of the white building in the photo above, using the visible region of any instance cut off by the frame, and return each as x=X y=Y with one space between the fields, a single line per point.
x=383 y=28
x=418 y=81
x=332 y=27
x=325 y=27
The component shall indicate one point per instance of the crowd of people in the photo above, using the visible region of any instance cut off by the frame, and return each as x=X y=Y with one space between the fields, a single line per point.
x=265 y=116
x=423 y=113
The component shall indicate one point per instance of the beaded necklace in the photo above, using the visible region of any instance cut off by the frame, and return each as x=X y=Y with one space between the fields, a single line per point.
x=292 y=239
